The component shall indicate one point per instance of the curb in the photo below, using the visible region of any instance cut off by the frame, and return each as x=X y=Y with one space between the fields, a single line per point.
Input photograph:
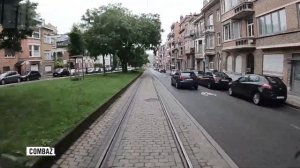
x=69 y=138
x=291 y=105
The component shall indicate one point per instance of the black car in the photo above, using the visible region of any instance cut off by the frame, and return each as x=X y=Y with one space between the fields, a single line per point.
x=31 y=75
x=184 y=79
x=259 y=88
x=61 y=73
x=214 y=79
x=10 y=77
x=162 y=71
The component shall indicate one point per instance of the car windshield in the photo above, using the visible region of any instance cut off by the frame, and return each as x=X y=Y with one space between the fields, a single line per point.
x=4 y=74
x=274 y=80
x=187 y=74
x=221 y=74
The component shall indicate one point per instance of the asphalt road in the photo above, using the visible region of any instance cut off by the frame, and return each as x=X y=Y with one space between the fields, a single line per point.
x=253 y=136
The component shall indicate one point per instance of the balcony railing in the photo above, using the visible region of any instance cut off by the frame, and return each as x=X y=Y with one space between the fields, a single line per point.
x=209 y=29
x=248 y=41
x=241 y=43
x=244 y=9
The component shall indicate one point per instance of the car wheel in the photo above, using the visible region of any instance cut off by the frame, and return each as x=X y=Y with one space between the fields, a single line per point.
x=177 y=85
x=3 y=82
x=19 y=80
x=196 y=87
x=230 y=92
x=256 y=99
x=209 y=85
x=27 y=79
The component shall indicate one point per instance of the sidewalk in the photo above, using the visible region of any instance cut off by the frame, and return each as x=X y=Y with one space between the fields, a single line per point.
x=293 y=100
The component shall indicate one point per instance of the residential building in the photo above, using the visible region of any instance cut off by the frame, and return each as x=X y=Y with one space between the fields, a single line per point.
x=277 y=34
x=174 y=40
x=213 y=30
x=199 y=42
x=238 y=38
x=47 y=32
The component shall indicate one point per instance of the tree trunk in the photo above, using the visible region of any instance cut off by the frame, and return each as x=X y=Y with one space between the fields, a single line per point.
x=103 y=59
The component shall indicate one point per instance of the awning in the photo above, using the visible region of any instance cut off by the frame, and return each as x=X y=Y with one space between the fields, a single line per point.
x=19 y=63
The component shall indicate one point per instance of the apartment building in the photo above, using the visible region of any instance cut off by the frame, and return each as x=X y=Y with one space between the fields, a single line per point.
x=174 y=40
x=199 y=42
x=47 y=32
x=278 y=36
x=237 y=17
x=213 y=32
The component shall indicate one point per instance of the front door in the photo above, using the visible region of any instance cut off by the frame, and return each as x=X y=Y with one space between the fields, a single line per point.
x=296 y=78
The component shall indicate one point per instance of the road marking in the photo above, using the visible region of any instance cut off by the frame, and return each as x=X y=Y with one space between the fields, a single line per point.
x=207 y=94
x=295 y=126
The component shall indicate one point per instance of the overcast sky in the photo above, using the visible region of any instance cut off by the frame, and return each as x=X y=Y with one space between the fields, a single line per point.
x=63 y=13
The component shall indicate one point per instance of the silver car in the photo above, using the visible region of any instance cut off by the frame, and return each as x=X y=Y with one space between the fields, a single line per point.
x=10 y=77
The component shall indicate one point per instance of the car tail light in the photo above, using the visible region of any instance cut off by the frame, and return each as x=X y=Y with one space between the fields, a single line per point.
x=181 y=78
x=266 y=86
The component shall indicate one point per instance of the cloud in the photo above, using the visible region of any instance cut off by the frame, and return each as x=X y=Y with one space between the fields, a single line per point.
x=64 y=13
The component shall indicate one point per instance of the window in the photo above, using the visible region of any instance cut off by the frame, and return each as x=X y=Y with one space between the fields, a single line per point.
x=34 y=51
x=211 y=65
x=250 y=28
x=299 y=13
x=9 y=53
x=229 y=4
x=272 y=23
x=227 y=33
x=47 y=39
x=210 y=44
x=236 y=30
x=36 y=34
x=219 y=38
x=210 y=20
x=218 y=15
x=47 y=55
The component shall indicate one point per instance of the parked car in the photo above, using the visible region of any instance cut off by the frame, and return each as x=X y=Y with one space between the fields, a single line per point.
x=259 y=88
x=162 y=70
x=214 y=79
x=184 y=79
x=61 y=73
x=10 y=77
x=31 y=75
x=173 y=71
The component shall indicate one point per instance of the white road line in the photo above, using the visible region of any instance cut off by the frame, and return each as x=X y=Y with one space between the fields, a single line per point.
x=295 y=126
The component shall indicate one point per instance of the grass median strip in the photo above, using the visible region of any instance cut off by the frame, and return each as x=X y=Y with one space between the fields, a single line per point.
x=38 y=114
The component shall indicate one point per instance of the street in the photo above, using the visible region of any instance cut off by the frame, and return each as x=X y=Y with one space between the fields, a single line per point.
x=253 y=136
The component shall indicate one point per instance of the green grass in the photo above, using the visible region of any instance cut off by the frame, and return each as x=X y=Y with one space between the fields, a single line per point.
x=38 y=114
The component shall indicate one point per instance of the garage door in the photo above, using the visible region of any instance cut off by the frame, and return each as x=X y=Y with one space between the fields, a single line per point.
x=229 y=63
x=238 y=64
x=273 y=65
x=48 y=68
x=34 y=67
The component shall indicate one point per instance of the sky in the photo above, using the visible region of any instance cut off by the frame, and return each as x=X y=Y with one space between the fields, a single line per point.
x=64 y=13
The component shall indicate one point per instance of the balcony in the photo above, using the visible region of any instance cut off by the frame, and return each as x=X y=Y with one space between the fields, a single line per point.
x=244 y=9
x=209 y=29
x=241 y=43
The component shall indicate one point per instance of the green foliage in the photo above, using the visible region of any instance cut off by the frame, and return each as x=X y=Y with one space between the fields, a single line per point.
x=47 y=110
x=58 y=63
x=113 y=29
x=76 y=46
x=11 y=37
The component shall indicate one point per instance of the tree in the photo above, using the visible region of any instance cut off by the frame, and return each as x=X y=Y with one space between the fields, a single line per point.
x=76 y=46
x=11 y=37
x=113 y=29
